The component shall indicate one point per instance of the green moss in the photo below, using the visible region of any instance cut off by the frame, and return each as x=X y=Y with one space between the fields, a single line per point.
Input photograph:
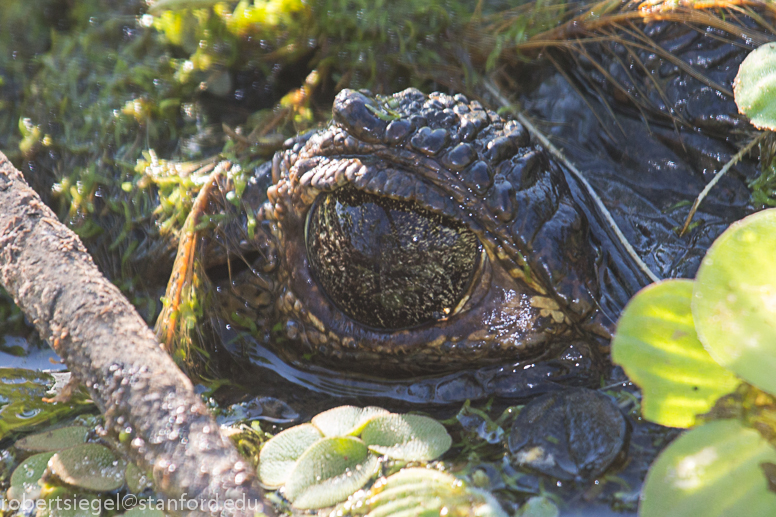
x=355 y=43
x=24 y=32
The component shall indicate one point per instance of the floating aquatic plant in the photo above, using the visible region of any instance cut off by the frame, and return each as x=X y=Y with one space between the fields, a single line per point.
x=657 y=345
x=417 y=492
x=323 y=462
x=54 y=439
x=90 y=466
x=24 y=480
x=74 y=473
x=688 y=344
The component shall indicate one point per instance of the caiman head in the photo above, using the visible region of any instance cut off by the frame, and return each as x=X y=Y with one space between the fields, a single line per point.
x=426 y=233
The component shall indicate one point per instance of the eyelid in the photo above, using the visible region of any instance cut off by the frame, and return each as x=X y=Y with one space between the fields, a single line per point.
x=480 y=283
x=475 y=280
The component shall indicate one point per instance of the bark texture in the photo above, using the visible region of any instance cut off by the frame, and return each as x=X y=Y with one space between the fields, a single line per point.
x=111 y=350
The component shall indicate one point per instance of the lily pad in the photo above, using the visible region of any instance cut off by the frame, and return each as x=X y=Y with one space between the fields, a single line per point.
x=755 y=86
x=90 y=466
x=24 y=480
x=279 y=455
x=54 y=440
x=419 y=492
x=329 y=472
x=714 y=470
x=734 y=300
x=657 y=346
x=406 y=437
x=345 y=420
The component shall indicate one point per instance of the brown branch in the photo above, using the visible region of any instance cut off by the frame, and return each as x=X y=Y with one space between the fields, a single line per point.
x=110 y=349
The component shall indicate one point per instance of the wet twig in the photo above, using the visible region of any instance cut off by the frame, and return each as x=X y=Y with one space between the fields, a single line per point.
x=110 y=350
x=734 y=160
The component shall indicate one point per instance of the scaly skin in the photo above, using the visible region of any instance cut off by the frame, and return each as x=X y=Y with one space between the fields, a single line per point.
x=549 y=275
x=535 y=286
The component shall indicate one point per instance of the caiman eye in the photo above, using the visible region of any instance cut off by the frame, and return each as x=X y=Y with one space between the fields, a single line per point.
x=389 y=264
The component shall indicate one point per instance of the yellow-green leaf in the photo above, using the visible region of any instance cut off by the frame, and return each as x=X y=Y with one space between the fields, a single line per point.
x=406 y=437
x=54 y=440
x=345 y=420
x=658 y=348
x=419 y=492
x=734 y=300
x=89 y=466
x=24 y=480
x=137 y=480
x=755 y=85
x=715 y=471
x=538 y=506
x=279 y=455
x=330 y=471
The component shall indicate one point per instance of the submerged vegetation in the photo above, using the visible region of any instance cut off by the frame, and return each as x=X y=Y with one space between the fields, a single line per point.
x=119 y=114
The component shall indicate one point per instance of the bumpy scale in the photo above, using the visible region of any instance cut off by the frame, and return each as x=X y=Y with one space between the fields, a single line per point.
x=509 y=273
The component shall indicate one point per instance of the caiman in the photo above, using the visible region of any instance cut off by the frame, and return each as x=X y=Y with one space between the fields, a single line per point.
x=426 y=249
x=428 y=238
x=420 y=235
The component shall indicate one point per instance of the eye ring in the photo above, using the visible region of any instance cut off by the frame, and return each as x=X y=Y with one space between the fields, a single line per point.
x=389 y=264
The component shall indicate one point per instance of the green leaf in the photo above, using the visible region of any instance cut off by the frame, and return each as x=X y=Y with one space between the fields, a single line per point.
x=54 y=440
x=329 y=472
x=755 y=85
x=714 y=471
x=137 y=480
x=279 y=455
x=413 y=482
x=538 y=506
x=406 y=437
x=345 y=420
x=658 y=348
x=24 y=480
x=734 y=300
x=90 y=466
x=419 y=492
